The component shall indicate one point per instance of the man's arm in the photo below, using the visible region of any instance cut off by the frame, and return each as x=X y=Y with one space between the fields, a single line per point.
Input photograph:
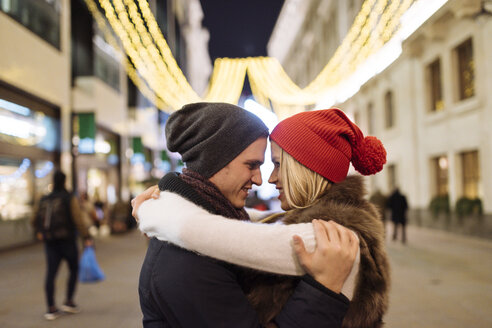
x=313 y=305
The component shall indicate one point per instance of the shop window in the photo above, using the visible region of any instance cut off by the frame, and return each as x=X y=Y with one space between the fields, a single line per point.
x=392 y=183
x=43 y=173
x=370 y=119
x=105 y=66
x=440 y=168
x=21 y=125
x=434 y=86
x=389 y=115
x=466 y=69
x=16 y=190
x=470 y=174
x=42 y=17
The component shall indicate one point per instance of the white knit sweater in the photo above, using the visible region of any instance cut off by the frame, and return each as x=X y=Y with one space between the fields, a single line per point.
x=265 y=247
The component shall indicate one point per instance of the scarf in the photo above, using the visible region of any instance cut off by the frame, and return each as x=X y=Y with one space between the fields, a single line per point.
x=212 y=194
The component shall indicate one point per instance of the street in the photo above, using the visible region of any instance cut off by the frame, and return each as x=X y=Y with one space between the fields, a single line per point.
x=438 y=280
x=111 y=303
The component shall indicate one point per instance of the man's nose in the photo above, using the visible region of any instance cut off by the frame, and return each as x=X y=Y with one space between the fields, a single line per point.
x=256 y=178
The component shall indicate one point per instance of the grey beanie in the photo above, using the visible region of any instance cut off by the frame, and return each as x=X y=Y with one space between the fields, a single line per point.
x=210 y=135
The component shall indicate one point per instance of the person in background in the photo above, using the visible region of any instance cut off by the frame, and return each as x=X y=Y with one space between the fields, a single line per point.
x=102 y=218
x=88 y=213
x=253 y=201
x=223 y=147
x=56 y=221
x=397 y=203
x=120 y=216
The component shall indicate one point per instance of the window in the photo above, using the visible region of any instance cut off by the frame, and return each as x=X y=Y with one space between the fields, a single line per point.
x=466 y=70
x=106 y=66
x=25 y=126
x=440 y=167
x=351 y=4
x=370 y=119
x=16 y=194
x=388 y=109
x=470 y=173
x=392 y=183
x=435 y=88
x=41 y=17
x=357 y=117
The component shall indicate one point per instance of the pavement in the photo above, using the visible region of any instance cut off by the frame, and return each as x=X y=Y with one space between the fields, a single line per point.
x=439 y=279
x=111 y=303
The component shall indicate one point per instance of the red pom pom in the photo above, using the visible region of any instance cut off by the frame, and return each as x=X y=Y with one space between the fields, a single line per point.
x=369 y=156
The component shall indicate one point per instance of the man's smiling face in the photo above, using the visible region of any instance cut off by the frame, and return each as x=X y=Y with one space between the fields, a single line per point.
x=239 y=176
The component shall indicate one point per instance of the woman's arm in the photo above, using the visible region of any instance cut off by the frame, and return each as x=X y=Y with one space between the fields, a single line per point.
x=266 y=247
x=257 y=215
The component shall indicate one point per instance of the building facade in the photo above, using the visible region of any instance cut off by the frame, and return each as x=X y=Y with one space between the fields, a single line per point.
x=431 y=107
x=66 y=102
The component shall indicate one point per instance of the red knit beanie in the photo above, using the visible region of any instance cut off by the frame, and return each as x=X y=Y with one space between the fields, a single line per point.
x=326 y=141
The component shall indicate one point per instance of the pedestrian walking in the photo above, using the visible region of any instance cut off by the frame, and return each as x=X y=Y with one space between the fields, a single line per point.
x=56 y=222
x=397 y=203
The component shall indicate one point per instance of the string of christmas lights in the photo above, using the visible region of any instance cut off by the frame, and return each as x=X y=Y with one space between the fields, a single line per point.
x=128 y=66
x=153 y=68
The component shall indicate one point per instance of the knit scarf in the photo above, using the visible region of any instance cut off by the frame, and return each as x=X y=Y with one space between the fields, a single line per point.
x=212 y=194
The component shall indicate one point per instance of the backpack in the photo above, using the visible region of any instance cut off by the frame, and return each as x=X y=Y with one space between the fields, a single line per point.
x=55 y=218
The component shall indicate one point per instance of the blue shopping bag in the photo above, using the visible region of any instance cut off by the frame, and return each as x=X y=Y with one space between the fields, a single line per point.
x=89 y=270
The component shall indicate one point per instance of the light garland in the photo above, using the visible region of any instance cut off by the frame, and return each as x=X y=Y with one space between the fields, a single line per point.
x=154 y=70
x=23 y=167
x=129 y=68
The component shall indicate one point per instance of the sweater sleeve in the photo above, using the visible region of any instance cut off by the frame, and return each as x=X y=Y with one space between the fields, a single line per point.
x=257 y=215
x=265 y=247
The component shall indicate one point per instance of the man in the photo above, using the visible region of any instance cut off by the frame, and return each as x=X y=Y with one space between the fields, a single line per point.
x=398 y=205
x=56 y=222
x=223 y=147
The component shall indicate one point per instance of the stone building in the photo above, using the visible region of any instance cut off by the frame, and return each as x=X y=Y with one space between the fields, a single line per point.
x=431 y=107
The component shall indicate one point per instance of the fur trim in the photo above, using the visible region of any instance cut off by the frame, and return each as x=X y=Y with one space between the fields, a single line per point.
x=344 y=204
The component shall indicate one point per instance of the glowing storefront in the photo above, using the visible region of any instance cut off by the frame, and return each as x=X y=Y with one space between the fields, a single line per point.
x=29 y=152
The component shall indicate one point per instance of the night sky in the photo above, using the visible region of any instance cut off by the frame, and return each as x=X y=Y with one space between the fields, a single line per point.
x=239 y=28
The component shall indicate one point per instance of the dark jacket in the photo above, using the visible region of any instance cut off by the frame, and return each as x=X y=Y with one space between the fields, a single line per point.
x=398 y=205
x=178 y=288
x=343 y=203
x=69 y=223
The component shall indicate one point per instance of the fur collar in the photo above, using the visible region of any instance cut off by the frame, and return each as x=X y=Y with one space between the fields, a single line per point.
x=344 y=203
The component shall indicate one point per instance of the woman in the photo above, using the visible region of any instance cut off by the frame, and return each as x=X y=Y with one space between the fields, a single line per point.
x=312 y=152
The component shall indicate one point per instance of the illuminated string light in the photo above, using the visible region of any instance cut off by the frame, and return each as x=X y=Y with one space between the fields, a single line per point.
x=155 y=72
x=130 y=69
x=119 y=21
x=44 y=171
x=25 y=164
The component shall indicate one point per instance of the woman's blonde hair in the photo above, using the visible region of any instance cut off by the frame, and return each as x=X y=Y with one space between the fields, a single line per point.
x=302 y=186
